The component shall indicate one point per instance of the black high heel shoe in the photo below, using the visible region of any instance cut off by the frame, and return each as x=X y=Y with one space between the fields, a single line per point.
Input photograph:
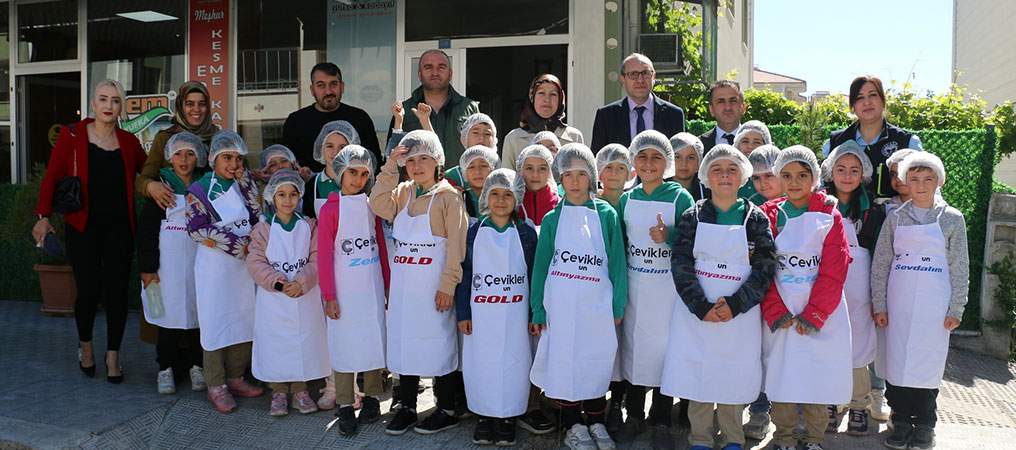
x=114 y=379
x=88 y=371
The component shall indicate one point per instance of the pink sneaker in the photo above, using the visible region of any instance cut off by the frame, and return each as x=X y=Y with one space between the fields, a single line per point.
x=242 y=388
x=220 y=397
x=279 y=405
x=303 y=402
x=327 y=400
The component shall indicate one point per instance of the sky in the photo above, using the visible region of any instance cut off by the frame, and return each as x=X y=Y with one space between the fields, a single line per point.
x=828 y=43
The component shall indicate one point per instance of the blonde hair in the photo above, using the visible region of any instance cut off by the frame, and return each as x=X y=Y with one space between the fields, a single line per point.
x=119 y=90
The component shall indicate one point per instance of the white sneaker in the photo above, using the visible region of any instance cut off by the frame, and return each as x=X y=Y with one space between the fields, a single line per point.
x=578 y=438
x=197 y=379
x=878 y=408
x=601 y=437
x=166 y=383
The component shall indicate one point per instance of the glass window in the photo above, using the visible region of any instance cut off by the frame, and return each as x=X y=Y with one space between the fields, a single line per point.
x=5 y=154
x=48 y=31
x=5 y=68
x=428 y=20
x=45 y=103
x=139 y=43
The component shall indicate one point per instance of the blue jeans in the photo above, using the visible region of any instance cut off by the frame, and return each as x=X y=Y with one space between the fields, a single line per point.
x=760 y=405
x=877 y=384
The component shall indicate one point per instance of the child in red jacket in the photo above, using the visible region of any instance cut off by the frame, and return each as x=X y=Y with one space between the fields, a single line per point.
x=806 y=356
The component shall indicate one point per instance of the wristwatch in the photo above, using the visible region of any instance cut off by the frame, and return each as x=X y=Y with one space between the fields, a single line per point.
x=278 y=285
x=41 y=216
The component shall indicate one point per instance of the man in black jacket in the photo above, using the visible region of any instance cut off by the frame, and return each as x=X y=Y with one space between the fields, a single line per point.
x=640 y=110
x=727 y=105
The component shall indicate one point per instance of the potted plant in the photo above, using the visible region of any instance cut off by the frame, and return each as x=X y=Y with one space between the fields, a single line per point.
x=56 y=279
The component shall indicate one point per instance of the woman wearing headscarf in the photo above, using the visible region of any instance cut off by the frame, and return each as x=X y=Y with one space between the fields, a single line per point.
x=190 y=113
x=544 y=111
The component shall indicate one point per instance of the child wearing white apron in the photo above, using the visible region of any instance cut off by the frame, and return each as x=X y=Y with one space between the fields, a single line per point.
x=535 y=165
x=354 y=273
x=474 y=165
x=222 y=207
x=333 y=137
x=919 y=282
x=578 y=294
x=806 y=354
x=166 y=258
x=429 y=231
x=492 y=310
x=723 y=265
x=688 y=150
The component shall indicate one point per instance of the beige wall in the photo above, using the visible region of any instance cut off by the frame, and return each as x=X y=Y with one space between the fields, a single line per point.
x=984 y=51
x=732 y=54
x=585 y=73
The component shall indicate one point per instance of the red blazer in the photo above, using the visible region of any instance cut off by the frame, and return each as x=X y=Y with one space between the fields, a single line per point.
x=74 y=140
x=832 y=271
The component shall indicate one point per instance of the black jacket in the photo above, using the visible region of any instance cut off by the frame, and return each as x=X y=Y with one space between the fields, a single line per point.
x=613 y=126
x=709 y=140
x=892 y=139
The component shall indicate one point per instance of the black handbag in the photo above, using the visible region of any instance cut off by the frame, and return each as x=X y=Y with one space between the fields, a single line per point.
x=67 y=195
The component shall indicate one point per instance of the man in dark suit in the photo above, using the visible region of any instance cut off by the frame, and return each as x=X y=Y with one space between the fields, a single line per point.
x=640 y=110
x=726 y=104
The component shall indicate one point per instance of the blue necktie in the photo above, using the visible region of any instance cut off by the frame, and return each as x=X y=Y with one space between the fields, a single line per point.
x=640 y=123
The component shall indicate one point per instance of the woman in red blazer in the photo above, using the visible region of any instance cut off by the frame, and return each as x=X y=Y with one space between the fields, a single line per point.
x=100 y=238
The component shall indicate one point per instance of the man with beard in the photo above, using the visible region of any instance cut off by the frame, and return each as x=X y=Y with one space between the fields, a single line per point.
x=303 y=125
x=727 y=105
x=448 y=108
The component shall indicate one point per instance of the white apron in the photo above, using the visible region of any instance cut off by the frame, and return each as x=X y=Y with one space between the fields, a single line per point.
x=814 y=368
x=319 y=202
x=529 y=220
x=290 y=343
x=224 y=288
x=575 y=356
x=421 y=340
x=857 y=290
x=918 y=299
x=716 y=362
x=496 y=357
x=176 y=272
x=651 y=294
x=356 y=340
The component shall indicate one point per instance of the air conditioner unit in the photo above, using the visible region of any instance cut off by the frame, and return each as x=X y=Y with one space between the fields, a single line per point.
x=664 y=49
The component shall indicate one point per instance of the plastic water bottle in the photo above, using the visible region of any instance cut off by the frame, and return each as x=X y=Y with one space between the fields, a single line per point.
x=153 y=293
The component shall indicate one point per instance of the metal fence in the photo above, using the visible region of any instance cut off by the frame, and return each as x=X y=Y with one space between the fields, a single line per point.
x=268 y=70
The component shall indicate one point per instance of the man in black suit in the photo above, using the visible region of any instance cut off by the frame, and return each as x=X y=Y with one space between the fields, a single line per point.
x=726 y=104
x=640 y=110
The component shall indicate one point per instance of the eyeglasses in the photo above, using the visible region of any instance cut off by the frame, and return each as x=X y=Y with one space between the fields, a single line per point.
x=636 y=75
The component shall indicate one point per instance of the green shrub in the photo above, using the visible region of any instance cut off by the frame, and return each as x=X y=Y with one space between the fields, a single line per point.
x=769 y=107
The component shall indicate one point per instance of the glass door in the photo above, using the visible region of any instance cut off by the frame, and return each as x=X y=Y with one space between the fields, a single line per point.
x=45 y=103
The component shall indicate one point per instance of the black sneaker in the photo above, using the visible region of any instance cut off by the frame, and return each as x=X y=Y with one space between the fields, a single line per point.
x=662 y=439
x=347 y=420
x=437 y=422
x=370 y=410
x=834 y=422
x=484 y=432
x=900 y=437
x=923 y=437
x=614 y=418
x=631 y=429
x=403 y=419
x=462 y=408
x=536 y=423
x=857 y=424
x=682 y=414
x=504 y=432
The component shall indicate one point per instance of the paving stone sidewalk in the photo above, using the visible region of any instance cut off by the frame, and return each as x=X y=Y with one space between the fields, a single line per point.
x=48 y=403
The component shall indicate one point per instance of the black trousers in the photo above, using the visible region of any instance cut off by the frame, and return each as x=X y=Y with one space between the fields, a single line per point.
x=571 y=412
x=169 y=352
x=659 y=412
x=101 y=259
x=915 y=406
x=444 y=391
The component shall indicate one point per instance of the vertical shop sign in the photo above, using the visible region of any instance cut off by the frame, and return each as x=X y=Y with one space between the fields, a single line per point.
x=361 y=41
x=208 y=48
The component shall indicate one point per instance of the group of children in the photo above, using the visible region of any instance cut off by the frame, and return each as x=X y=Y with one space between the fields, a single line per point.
x=722 y=279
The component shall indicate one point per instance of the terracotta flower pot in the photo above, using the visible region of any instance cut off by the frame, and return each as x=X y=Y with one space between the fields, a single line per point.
x=59 y=291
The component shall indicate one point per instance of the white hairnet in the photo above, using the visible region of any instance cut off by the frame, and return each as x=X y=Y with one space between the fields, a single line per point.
x=683 y=139
x=803 y=155
x=724 y=152
x=576 y=156
x=847 y=148
x=753 y=126
x=652 y=139
x=473 y=120
x=534 y=151
x=225 y=141
x=898 y=156
x=279 y=179
x=276 y=151
x=546 y=136
x=354 y=156
x=921 y=159
x=501 y=179
x=423 y=142
x=612 y=153
x=763 y=158
x=334 y=127
x=185 y=140
x=482 y=152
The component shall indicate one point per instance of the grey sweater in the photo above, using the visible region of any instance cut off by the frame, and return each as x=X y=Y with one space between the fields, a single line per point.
x=954 y=228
